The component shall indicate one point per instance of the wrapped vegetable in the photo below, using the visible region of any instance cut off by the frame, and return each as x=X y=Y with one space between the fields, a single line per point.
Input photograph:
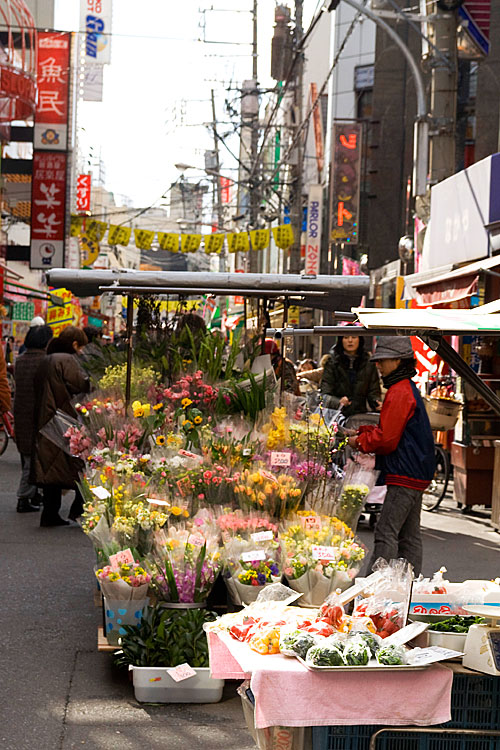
x=391 y=655
x=296 y=643
x=266 y=641
x=357 y=652
x=326 y=656
x=372 y=640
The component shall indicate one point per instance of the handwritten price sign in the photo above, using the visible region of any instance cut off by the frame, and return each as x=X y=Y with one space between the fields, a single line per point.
x=124 y=557
x=280 y=458
x=182 y=672
x=256 y=554
x=323 y=553
x=310 y=523
x=262 y=536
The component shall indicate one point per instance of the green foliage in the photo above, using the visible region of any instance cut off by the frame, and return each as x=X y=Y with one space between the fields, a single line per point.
x=248 y=400
x=166 y=638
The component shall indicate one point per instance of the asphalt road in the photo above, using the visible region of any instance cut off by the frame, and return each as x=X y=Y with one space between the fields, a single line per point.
x=57 y=692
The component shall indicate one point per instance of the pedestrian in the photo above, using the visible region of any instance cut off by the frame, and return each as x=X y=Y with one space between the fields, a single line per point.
x=314 y=375
x=26 y=366
x=350 y=379
x=35 y=323
x=59 y=379
x=404 y=447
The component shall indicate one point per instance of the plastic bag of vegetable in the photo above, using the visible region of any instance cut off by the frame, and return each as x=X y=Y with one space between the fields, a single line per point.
x=325 y=656
x=391 y=655
x=357 y=652
x=372 y=640
x=296 y=643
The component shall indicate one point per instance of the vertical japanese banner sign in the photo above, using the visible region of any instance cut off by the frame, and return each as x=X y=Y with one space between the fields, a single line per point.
x=48 y=186
x=314 y=217
x=83 y=184
x=347 y=153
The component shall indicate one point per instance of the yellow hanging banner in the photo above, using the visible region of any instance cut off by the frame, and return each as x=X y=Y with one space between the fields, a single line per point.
x=238 y=243
x=143 y=238
x=214 y=243
x=283 y=236
x=168 y=241
x=76 y=226
x=190 y=242
x=95 y=229
x=119 y=235
x=260 y=238
x=89 y=250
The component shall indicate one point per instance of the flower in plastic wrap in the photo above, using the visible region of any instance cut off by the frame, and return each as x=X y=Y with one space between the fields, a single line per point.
x=128 y=581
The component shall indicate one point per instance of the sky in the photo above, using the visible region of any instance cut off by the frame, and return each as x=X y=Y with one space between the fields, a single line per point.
x=157 y=87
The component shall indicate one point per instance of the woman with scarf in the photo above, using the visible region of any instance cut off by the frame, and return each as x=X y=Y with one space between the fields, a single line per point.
x=404 y=446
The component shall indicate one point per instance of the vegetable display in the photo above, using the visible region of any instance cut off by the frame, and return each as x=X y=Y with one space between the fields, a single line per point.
x=391 y=655
x=371 y=640
x=326 y=656
x=456 y=624
x=357 y=652
x=296 y=643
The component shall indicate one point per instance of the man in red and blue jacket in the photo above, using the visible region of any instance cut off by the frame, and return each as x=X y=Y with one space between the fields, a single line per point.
x=404 y=446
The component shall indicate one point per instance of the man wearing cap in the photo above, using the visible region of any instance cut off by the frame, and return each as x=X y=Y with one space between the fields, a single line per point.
x=404 y=445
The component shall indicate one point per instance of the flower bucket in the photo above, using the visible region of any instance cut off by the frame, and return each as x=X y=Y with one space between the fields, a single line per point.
x=155 y=685
x=315 y=587
x=120 y=612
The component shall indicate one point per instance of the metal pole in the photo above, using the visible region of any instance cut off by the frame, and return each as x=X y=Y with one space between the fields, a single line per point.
x=255 y=257
x=130 y=331
x=421 y=146
x=218 y=192
x=298 y=169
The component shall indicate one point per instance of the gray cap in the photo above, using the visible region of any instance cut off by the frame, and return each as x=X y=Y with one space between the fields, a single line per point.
x=393 y=347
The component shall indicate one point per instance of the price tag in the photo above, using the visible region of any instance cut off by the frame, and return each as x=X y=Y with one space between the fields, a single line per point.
x=280 y=458
x=182 y=672
x=196 y=539
x=310 y=523
x=420 y=656
x=247 y=451
x=256 y=554
x=124 y=557
x=100 y=492
x=188 y=454
x=268 y=475
x=262 y=536
x=324 y=553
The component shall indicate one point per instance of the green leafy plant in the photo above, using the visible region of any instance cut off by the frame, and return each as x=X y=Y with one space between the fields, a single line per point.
x=166 y=638
x=248 y=400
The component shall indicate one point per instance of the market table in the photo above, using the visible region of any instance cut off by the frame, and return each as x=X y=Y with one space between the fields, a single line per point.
x=289 y=695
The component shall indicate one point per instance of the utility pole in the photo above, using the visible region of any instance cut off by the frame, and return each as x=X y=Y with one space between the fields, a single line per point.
x=294 y=264
x=217 y=185
x=255 y=258
x=442 y=29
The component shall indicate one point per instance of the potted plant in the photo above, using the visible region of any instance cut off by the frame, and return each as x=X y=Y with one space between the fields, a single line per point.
x=165 y=639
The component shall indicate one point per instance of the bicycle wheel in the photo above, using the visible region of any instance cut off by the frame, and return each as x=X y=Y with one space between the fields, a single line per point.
x=4 y=438
x=435 y=492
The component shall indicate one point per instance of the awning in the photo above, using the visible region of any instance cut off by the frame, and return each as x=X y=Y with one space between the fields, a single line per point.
x=448 y=287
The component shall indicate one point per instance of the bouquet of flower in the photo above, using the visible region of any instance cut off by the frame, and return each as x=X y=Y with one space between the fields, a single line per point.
x=185 y=563
x=271 y=492
x=357 y=485
x=125 y=596
x=250 y=564
x=320 y=555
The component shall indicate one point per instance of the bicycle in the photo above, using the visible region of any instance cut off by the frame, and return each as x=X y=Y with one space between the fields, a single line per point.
x=6 y=431
x=433 y=495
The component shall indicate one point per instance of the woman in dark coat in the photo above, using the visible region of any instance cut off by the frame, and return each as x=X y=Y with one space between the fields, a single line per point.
x=350 y=380
x=59 y=379
x=25 y=369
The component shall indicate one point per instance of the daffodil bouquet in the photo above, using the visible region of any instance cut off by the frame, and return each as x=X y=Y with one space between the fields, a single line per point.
x=275 y=493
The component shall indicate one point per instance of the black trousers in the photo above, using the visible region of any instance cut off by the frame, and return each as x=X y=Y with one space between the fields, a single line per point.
x=52 y=496
x=397 y=533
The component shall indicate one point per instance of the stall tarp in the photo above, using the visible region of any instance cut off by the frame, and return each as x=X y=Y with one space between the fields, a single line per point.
x=422 y=285
x=445 y=321
x=446 y=292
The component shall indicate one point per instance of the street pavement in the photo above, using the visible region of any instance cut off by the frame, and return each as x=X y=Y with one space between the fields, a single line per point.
x=58 y=692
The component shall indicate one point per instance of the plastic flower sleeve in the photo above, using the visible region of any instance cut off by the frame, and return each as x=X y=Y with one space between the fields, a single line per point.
x=357 y=485
x=68 y=434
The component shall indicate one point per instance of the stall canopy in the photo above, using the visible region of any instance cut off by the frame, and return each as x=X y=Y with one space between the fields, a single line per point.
x=322 y=292
x=453 y=286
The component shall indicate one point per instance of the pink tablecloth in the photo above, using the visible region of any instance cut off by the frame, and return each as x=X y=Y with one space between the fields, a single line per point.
x=289 y=695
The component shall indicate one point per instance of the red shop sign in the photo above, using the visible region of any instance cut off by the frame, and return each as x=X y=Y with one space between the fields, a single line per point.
x=83 y=183
x=51 y=117
x=48 y=198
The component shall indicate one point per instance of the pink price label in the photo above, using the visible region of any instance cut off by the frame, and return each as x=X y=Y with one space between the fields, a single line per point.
x=310 y=523
x=182 y=672
x=323 y=553
x=124 y=557
x=280 y=458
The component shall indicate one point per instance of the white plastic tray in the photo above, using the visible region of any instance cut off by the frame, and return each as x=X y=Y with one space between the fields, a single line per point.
x=372 y=666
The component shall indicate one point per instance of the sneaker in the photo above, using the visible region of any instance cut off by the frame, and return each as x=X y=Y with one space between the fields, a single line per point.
x=25 y=506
